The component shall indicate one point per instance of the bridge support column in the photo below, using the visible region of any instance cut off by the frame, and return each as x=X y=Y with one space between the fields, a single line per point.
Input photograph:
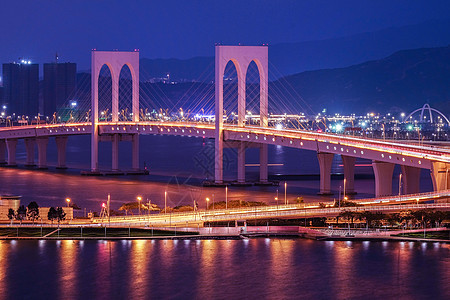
x=241 y=162
x=115 y=152
x=29 y=145
x=11 y=145
x=135 y=151
x=411 y=180
x=440 y=176
x=349 y=174
x=383 y=178
x=61 y=145
x=42 y=152
x=263 y=163
x=325 y=160
x=2 y=152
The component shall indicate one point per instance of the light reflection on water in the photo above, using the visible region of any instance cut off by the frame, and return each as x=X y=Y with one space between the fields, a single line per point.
x=279 y=268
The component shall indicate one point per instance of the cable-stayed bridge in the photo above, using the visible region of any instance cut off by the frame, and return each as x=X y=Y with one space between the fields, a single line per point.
x=234 y=111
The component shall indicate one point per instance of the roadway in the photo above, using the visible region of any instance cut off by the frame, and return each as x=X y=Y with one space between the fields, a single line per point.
x=289 y=211
x=372 y=149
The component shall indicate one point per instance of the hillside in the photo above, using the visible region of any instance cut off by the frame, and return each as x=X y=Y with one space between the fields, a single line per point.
x=291 y=58
x=400 y=82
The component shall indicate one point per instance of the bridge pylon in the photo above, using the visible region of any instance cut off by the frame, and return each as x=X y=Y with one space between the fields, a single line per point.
x=115 y=61
x=241 y=57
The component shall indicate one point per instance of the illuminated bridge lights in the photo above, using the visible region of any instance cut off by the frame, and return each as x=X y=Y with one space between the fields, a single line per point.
x=393 y=151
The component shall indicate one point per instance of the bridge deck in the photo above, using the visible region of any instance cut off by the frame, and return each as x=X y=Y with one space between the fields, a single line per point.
x=372 y=149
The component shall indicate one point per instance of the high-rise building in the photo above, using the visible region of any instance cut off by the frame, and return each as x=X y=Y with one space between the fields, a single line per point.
x=59 y=86
x=21 y=88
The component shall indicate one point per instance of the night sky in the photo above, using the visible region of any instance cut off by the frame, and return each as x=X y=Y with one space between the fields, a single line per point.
x=184 y=29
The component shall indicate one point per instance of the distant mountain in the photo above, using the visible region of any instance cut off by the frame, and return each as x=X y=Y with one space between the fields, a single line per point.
x=179 y=69
x=400 y=82
x=291 y=58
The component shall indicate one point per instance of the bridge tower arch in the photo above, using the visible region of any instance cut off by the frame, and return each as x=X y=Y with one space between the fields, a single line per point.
x=115 y=60
x=241 y=56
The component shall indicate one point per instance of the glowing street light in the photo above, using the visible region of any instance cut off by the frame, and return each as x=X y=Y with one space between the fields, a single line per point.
x=226 y=197
x=207 y=201
x=68 y=202
x=139 y=198
x=165 y=201
x=345 y=181
x=285 y=194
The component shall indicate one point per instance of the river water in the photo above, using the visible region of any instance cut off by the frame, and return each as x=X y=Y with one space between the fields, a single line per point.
x=257 y=268
x=177 y=165
x=223 y=269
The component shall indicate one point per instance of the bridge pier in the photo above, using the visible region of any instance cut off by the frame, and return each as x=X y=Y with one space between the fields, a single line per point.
x=2 y=152
x=61 y=145
x=411 y=179
x=241 y=163
x=42 y=143
x=383 y=178
x=11 y=145
x=263 y=163
x=135 y=151
x=349 y=174
x=440 y=176
x=30 y=145
x=115 y=152
x=325 y=160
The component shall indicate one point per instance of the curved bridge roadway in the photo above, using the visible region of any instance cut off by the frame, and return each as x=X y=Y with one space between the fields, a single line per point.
x=434 y=158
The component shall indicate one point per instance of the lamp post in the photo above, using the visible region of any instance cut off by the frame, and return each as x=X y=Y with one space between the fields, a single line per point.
x=207 y=201
x=226 y=197
x=68 y=202
x=108 y=203
x=149 y=205
x=165 y=202
x=276 y=199
x=285 y=194
x=339 y=196
x=139 y=198
x=345 y=181
x=400 y=184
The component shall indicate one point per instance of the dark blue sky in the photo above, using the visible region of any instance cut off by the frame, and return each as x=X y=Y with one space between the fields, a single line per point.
x=183 y=29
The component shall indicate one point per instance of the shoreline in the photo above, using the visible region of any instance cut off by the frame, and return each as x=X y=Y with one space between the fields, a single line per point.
x=243 y=236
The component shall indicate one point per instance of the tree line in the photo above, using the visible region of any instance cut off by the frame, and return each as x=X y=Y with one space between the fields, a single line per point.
x=31 y=213
x=410 y=218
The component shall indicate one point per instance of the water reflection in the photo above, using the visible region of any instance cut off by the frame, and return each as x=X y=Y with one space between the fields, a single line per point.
x=67 y=273
x=256 y=268
x=140 y=277
x=4 y=265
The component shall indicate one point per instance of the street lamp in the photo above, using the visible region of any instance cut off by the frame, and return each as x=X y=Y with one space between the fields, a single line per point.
x=400 y=184
x=149 y=206
x=226 y=197
x=207 y=200
x=68 y=202
x=345 y=181
x=285 y=195
x=139 y=198
x=276 y=199
x=165 y=202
